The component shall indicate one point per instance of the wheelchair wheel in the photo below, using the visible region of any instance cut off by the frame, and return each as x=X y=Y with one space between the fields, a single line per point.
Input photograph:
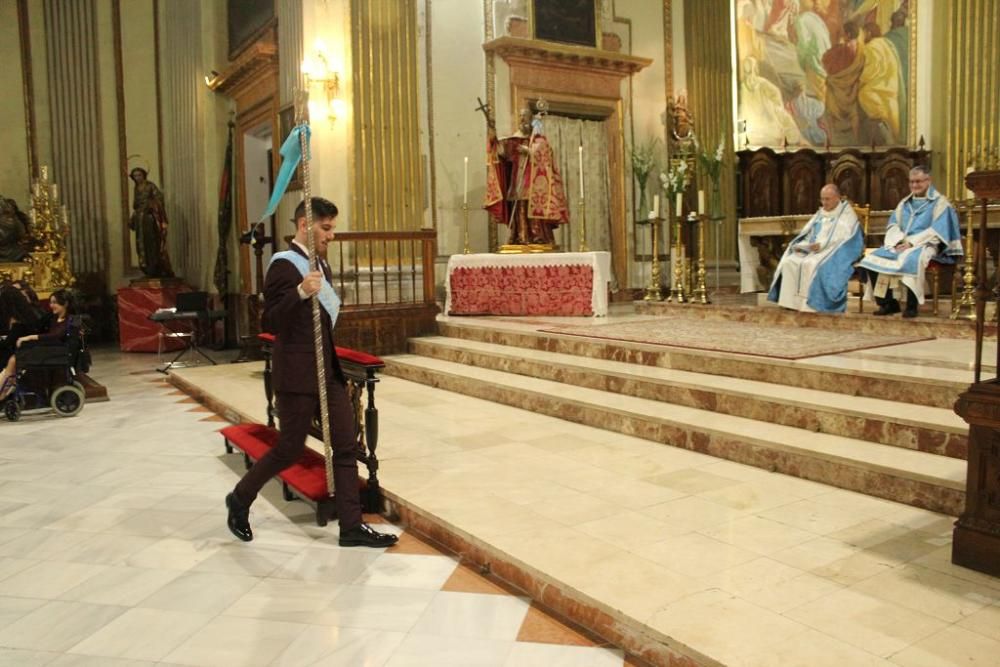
x=12 y=411
x=67 y=401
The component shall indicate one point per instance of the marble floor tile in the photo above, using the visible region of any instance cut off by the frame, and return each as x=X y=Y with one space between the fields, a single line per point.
x=630 y=529
x=12 y=609
x=15 y=657
x=866 y=622
x=406 y=571
x=696 y=555
x=471 y=615
x=10 y=566
x=227 y=640
x=124 y=586
x=951 y=646
x=692 y=513
x=986 y=622
x=173 y=554
x=422 y=650
x=105 y=549
x=814 y=515
x=930 y=592
x=375 y=608
x=284 y=600
x=330 y=565
x=200 y=592
x=142 y=634
x=524 y=654
x=723 y=626
x=75 y=622
x=48 y=579
x=813 y=649
x=755 y=533
x=340 y=646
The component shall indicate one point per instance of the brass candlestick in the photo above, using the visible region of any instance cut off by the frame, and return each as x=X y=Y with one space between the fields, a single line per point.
x=583 y=226
x=653 y=291
x=677 y=292
x=465 y=211
x=965 y=307
x=700 y=293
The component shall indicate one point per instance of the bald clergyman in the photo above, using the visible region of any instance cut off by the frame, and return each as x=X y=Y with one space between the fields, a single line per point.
x=813 y=273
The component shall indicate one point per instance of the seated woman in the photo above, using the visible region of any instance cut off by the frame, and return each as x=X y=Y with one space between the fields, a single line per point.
x=60 y=304
x=21 y=321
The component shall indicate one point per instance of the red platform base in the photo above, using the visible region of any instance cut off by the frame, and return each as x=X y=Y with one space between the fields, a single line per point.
x=136 y=333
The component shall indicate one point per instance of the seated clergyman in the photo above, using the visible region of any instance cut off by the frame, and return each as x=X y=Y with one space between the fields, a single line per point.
x=923 y=227
x=813 y=273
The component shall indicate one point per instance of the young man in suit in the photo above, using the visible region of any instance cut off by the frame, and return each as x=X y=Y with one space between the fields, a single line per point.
x=288 y=289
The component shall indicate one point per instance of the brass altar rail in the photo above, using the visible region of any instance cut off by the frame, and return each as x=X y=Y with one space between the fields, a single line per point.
x=384 y=268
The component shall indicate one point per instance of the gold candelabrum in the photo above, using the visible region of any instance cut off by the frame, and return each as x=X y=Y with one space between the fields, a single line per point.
x=49 y=260
x=965 y=306
x=583 y=226
x=700 y=293
x=653 y=291
x=465 y=212
x=678 y=291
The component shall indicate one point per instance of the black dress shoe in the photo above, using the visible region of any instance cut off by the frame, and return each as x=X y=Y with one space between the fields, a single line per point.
x=910 y=313
x=888 y=309
x=363 y=536
x=239 y=518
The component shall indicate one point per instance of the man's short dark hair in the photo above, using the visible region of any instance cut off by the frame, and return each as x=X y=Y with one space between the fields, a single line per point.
x=321 y=209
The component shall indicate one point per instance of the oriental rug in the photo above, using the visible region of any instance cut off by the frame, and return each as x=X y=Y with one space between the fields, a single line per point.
x=761 y=340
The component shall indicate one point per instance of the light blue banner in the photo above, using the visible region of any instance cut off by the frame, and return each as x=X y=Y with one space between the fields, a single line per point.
x=291 y=155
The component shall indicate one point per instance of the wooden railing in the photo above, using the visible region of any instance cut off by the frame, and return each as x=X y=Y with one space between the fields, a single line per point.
x=383 y=268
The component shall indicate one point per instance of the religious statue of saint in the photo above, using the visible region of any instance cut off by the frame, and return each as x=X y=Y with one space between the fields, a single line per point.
x=149 y=222
x=523 y=187
x=14 y=242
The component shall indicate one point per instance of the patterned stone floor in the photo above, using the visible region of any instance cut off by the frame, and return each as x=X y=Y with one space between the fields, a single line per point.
x=732 y=564
x=114 y=552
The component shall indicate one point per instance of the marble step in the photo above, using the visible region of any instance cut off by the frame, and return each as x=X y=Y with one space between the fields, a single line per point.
x=933 y=430
x=916 y=478
x=926 y=324
x=851 y=377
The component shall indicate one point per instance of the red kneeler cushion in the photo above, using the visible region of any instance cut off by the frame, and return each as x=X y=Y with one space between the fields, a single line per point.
x=307 y=475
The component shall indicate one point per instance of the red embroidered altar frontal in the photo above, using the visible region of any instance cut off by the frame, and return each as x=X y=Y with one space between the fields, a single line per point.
x=522 y=290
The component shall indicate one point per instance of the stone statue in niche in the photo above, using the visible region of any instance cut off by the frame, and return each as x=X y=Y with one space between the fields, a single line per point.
x=149 y=222
x=14 y=240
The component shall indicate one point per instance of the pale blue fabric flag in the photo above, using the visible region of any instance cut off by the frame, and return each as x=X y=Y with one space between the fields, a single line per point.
x=291 y=155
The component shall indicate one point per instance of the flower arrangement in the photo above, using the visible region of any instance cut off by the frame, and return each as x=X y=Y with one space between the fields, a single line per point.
x=711 y=163
x=675 y=179
x=644 y=162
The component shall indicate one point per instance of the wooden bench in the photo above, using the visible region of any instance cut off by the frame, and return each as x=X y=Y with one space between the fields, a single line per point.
x=306 y=478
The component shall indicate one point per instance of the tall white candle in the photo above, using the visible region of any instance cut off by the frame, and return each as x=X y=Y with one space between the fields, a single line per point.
x=465 y=183
x=581 y=171
x=55 y=192
x=680 y=204
x=656 y=206
x=701 y=202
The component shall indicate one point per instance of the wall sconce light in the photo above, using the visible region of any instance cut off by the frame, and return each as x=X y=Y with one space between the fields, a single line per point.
x=211 y=77
x=323 y=84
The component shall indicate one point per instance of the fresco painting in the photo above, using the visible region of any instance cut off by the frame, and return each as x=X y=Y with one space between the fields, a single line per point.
x=823 y=72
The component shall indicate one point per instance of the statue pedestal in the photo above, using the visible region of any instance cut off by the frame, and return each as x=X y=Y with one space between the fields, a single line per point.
x=976 y=542
x=136 y=333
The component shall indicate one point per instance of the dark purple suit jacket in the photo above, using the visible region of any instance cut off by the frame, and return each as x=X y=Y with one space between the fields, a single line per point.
x=289 y=318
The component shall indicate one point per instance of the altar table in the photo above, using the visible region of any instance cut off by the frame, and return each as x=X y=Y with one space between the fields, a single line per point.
x=562 y=283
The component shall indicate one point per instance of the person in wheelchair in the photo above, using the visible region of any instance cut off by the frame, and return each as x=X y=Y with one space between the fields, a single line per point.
x=52 y=358
x=18 y=320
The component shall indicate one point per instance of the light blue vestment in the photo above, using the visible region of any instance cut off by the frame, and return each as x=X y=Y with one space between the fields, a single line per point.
x=930 y=225
x=328 y=297
x=821 y=275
